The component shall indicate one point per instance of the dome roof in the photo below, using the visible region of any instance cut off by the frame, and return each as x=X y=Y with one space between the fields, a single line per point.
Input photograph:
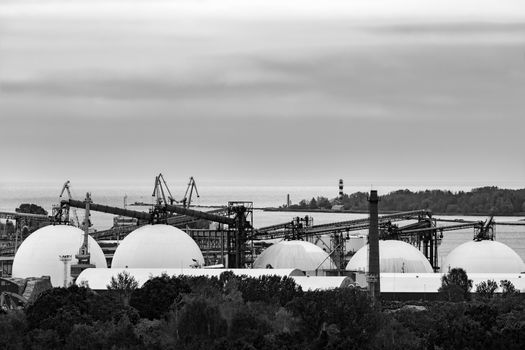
x=38 y=254
x=294 y=255
x=484 y=257
x=394 y=256
x=157 y=246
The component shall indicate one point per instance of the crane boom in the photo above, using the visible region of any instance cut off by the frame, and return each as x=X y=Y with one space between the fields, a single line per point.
x=65 y=187
x=147 y=216
x=107 y=209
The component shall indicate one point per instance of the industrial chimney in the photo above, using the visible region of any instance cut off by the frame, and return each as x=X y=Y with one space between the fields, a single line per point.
x=373 y=246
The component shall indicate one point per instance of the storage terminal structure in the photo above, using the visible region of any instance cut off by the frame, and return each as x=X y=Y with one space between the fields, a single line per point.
x=398 y=261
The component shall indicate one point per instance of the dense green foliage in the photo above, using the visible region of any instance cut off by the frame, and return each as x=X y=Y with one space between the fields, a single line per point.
x=256 y=313
x=485 y=200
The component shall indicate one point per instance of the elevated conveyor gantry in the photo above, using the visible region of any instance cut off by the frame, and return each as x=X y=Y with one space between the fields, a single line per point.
x=238 y=225
x=280 y=230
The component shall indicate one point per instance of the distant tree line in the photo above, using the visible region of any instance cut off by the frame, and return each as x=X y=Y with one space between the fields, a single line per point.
x=484 y=201
x=31 y=208
x=232 y=312
x=9 y=227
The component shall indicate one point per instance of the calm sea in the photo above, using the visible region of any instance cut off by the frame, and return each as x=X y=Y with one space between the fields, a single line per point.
x=262 y=196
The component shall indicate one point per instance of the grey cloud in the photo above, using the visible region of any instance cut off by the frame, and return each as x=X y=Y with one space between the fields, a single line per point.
x=450 y=28
x=262 y=101
x=108 y=85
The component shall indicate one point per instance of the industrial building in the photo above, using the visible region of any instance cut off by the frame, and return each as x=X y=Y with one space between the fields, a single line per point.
x=398 y=259
x=301 y=255
x=157 y=246
x=484 y=256
x=394 y=257
x=39 y=254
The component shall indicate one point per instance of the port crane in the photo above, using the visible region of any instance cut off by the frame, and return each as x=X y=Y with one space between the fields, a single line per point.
x=192 y=185
x=160 y=190
x=163 y=194
x=66 y=188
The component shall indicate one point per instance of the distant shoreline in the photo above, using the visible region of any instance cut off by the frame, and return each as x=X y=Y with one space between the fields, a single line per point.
x=380 y=212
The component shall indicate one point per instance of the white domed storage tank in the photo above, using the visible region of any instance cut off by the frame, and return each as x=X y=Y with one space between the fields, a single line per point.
x=157 y=246
x=39 y=253
x=394 y=256
x=300 y=255
x=484 y=257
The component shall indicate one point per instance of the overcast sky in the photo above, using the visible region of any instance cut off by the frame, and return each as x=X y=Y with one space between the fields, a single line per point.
x=380 y=92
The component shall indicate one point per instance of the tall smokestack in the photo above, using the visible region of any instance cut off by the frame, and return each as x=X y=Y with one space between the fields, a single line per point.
x=373 y=247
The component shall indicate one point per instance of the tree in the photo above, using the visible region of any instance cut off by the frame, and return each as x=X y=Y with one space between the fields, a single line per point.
x=486 y=289
x=455 y=285
x=124 y=284
x=13 y=327
x=269 y=289
x=156 y=296
x=31 y=209
x=303 y=204
x=348 y=310
x=323 y=203
x=59 y=309
x=507 y=288
x=200 y=318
